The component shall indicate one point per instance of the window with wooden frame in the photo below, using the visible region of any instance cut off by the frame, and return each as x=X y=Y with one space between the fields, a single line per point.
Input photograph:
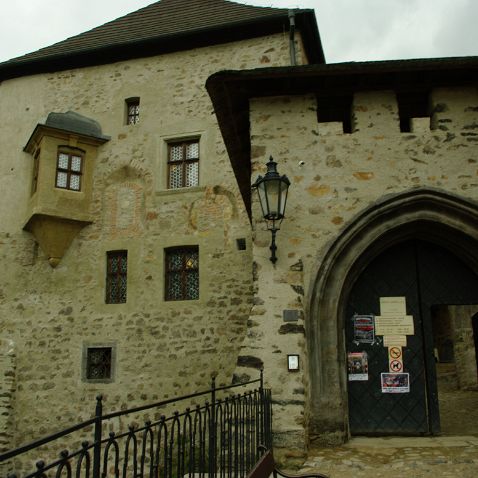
x=98 y=363
x=36 y=169
x=116 y=277
x=182 y=273
x=183 y=164
x=69 y=169
x=132 y=110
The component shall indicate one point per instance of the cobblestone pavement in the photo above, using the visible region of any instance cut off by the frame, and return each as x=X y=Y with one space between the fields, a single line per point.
x=451 y=456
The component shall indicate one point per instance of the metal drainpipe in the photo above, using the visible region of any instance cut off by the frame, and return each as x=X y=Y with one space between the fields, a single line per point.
x=293 y=61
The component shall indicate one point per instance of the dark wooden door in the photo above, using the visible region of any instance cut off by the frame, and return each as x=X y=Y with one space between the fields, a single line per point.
x=425 y=274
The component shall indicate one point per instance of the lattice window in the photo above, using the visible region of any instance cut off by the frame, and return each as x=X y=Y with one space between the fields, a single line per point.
x=98 y=363
x=183 y=164
x=182 y=273
x=116 y=277
x=69 y=169
x=132 y=111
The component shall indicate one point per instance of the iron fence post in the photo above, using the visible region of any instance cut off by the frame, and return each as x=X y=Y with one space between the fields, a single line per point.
x=97 y=437
x=262 y=428
x=212 y=430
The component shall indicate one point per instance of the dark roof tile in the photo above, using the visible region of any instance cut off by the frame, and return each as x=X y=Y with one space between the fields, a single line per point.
x=160 y=19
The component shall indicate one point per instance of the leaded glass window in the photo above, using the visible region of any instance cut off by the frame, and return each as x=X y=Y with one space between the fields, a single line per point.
x=183 y=163
x=69 y=169
x=98 y=363
x=182 y=273
x=116 y=277
x=132 y=111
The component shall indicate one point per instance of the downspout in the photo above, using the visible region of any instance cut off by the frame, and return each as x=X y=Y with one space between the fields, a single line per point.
x=293 y=61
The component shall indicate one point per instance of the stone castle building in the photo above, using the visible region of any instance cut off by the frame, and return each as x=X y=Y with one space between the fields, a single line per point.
x=136 y=261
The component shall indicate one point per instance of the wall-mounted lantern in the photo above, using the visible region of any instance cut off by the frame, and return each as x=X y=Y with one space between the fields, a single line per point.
x=272 y=190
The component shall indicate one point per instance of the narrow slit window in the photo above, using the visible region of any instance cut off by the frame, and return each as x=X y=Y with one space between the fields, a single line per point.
x=182 y=273
x=36 y=169
x=116 y=277
x=132 y=111
x=183 y=164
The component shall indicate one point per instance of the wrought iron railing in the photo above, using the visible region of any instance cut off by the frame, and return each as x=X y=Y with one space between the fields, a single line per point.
x=216 y=438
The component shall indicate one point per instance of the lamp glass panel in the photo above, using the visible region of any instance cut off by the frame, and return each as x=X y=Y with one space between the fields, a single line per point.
x=283 y=200
x=273 y=196
x=261 y=192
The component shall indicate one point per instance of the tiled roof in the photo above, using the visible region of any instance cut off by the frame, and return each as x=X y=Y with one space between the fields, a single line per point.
x=166 y=21
x=163 y=18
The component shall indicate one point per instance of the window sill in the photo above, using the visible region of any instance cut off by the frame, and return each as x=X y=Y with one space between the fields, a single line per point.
x=172 y=192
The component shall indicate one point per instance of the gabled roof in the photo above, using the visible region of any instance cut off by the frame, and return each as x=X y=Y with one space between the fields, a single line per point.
x=164 y=26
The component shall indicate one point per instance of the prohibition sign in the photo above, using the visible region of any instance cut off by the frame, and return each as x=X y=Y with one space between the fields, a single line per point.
x=396 y=366
x=395 y=352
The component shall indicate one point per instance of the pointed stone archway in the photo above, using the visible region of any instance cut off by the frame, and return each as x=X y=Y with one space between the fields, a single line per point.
x=426 y=214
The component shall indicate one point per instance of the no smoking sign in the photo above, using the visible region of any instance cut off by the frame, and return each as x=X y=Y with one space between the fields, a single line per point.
x=395 y=352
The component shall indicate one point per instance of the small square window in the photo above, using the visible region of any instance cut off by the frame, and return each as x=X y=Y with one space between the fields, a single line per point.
x=132 y=111
x=241 y=244
x=116 y=277
x=183 y=164
x=69 y=167
x=182 y=273
x=98 y=363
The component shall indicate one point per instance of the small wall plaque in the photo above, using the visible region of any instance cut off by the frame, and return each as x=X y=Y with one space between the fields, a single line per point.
x=290 y=315
x=293 y=362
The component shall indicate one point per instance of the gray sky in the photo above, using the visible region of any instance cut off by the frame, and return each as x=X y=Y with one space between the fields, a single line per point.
x=351 y=30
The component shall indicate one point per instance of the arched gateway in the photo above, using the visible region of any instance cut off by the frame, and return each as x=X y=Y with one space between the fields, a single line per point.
x=421 y=245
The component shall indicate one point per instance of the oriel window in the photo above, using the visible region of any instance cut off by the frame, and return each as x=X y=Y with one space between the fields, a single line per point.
x=183 y=164
x=132 y=110
x=116 y=277
x=182 y=273
x=69 y=169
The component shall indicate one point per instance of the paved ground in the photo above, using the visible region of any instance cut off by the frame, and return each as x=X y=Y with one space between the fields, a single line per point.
x=449 y=456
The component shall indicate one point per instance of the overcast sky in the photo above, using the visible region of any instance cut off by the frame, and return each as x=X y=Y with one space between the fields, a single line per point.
x=351 y=30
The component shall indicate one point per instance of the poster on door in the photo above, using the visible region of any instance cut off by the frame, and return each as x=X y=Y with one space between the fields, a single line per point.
x=364 y=329
x=357 y=366
x=395 y=382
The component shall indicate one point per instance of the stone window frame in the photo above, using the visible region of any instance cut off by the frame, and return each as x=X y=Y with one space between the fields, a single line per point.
x=184 y=271
x=132 y=110
x=70 y=170
x=183 y=163
x=84 y=361
x=115 y=277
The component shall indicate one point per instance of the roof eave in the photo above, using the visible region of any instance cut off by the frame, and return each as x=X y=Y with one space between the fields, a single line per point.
x=167 y=44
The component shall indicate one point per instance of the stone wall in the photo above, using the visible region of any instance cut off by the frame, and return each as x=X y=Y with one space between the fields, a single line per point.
x=464 y=345
x=335 y=177
x=163 y=348
x=7 y=390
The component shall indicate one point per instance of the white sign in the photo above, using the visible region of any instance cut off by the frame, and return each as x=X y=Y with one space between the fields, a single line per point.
x=394 y=325
x=393 y=306
x=395 y=340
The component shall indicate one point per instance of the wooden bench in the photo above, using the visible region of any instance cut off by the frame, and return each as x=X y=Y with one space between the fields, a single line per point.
x=266 y=467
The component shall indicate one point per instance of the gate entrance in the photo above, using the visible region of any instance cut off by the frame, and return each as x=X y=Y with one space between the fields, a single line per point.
x=426 y=275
